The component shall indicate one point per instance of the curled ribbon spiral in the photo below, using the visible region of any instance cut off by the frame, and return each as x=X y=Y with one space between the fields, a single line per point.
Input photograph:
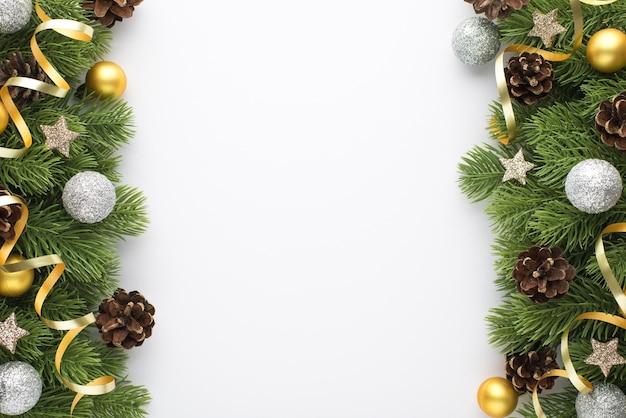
x=60 y=88
x=98 y=386
x=503 y=92
x=581 y=384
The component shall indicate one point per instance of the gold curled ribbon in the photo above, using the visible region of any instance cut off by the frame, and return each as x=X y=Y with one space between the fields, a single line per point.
x=69 y=28
x=581 y=384
x=503 y=91
x=98 y=386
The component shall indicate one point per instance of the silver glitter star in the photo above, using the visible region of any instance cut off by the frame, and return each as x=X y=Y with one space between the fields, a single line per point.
x=546 y=27
x=10 y=333
x=516 y=168
x=605 y=355
x=58 y=136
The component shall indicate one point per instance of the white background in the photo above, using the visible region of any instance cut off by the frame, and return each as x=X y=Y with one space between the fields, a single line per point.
x=310 y=254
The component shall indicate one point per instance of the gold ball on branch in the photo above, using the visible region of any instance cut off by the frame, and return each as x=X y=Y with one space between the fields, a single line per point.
x=16 y=283
x=4 y=118
x=497 y=397
x=606 y=50
x=106 y=79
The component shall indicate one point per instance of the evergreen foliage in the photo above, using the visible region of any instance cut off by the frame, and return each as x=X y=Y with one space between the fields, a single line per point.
x=88 y=250
x=555 y=134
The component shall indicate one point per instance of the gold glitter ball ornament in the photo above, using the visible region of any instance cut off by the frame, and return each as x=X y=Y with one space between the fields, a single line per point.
x=16 y=283
x=106 y=79
x=606 y=50
x=497 y=397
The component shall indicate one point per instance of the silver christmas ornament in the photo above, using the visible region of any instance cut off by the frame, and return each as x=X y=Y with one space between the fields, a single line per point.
x=604 y=401
x=593 y=186
x=14 y=15
x=20 y=387
x=89 y=197
x=476 y=40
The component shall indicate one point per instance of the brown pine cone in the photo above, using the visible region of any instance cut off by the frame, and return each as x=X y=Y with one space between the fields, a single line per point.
x=543 y=273
x=524 y=371
x=125 y=320
x=110 y=11
x=9 y=215
x=611 y=121
x=18 y=66
x=500 y=9
x=528 y=78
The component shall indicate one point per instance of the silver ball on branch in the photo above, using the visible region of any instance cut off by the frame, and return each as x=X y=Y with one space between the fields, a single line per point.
x=14 y=15
x=593 y=186
x=89 y=197
x=476 y=40
x=20 y=387
x=604 y=401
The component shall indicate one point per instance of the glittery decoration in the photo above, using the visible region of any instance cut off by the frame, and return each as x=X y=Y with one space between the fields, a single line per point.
x=58 y=136
x=476 y=40
x=546 y=27
x=10 y=333
x=605 y=355
x=20 y=387
x=516 y=168
x=89 y=197
x=604 y=401
x=593 y=186
x=14 y=15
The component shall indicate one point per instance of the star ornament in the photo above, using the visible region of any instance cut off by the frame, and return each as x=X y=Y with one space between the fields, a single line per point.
x=58 y=136
x=546 y=27
x=605 y=355
x=10 y=333
x=516 y=168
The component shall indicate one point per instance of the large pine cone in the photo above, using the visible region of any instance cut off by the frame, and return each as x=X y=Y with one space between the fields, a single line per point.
x=528 y=78
x=125 y=320
x=611 y=121
x=524 y=371
x=110 y=11
x=18 y=66
x=543 y=273
x=9 y=215
x=500 y=9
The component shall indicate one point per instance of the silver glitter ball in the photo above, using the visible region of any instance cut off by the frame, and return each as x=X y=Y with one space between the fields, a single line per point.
x=476 y=40
x=593 y=186
x=14 y=15
x=20 y=387
x=89 y=197
x=604 y=401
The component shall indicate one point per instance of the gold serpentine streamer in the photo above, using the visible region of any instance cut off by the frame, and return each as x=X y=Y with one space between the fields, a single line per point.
x=60 y=88
x=619 y=294
x=98 y=386
x=503 y=92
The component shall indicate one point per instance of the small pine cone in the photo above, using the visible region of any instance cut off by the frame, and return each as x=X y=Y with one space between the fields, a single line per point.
x=543 y=273
x=9 y=215
x=524 y=371
x=611 y=121
x=497 y=9
x=110 y=11
x=125 y=320
x=528 y=77
x=18 y=66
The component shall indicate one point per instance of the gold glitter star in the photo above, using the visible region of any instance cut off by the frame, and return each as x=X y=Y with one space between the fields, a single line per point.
x=605 y=355
x=10 y=333
x=58 y=136
x=546 y=27
x=516 y=168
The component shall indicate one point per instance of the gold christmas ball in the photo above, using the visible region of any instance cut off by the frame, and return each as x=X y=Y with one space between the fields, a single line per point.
x=17 y=283
x=4 y=118
x=106 y=79
x=606 y=50
x=497 y=397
